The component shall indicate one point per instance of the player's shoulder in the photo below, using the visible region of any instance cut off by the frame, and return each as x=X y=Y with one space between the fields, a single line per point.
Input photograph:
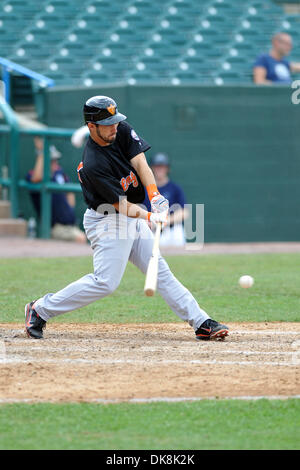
x=94 y=160
x=89 y=155
x=90 y=151
x=124 y=129
x=126 y=134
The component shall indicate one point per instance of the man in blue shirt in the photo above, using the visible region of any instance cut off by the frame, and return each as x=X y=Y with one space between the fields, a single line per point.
x=63 y=218
x=273 y=67
x=173 y=234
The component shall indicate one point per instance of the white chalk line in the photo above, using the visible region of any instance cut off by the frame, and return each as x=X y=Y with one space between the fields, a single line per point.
x=104 y=401
x=125 y=335
x=14 y=359
x=121 y=349
x=265 y=332
x=144 y=362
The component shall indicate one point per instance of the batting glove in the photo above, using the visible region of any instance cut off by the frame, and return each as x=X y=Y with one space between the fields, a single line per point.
x=159 y=204
x=156 y=217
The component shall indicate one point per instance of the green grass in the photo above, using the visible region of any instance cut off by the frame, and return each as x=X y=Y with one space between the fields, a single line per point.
x=213 y=280
x=200 y=425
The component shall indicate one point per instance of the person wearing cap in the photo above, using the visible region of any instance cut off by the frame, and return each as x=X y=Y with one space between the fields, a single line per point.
x=113 y=175
x=173 y=233
x=63 y=219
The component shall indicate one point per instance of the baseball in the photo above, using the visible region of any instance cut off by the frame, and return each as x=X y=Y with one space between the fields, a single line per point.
x=246 y=281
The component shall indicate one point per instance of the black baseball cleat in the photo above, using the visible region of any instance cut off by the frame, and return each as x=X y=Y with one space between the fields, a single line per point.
x=211 y=329
x=34 y=324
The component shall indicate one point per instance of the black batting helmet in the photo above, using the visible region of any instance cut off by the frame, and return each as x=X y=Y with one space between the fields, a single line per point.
x=102 y=110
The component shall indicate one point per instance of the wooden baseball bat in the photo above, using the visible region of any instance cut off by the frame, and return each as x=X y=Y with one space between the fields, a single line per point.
x=152 y=270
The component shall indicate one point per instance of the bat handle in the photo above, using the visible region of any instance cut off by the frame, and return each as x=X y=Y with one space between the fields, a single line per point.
x=156 y=238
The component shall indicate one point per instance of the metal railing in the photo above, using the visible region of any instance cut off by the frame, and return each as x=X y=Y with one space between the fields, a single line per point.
x=14 y=183
x=8 y=66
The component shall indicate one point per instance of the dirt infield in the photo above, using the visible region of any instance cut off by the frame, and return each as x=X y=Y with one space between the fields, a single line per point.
x=86 y=362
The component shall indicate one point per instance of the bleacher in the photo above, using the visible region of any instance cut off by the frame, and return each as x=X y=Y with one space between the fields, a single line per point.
x=84 y=42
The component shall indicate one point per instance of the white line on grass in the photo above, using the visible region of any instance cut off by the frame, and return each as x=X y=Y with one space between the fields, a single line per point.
x=105 y=401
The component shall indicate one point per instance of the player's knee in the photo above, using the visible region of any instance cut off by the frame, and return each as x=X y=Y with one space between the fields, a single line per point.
x=107 y=285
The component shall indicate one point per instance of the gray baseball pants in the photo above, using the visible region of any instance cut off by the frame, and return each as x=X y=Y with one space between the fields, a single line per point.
x=115 y=239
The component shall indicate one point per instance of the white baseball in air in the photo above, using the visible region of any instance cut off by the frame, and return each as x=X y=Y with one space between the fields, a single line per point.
x=246 y=281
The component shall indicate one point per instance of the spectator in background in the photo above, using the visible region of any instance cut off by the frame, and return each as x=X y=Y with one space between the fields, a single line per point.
x=62 y=204
x=273 y=67
x=173 y=234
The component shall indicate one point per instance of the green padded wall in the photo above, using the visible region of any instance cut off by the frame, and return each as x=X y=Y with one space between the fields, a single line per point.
x=234 y=149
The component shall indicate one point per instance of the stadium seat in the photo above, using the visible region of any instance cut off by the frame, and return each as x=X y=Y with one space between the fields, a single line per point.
x=161 y=50
x=140 y=76
x=55 y=24
x=93 y=78
x=25 y=9
x=160 y=37
x=61 y=8
x=42 y=36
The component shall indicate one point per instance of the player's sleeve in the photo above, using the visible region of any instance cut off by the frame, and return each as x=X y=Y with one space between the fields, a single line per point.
x=135 y=144
x=106 y=186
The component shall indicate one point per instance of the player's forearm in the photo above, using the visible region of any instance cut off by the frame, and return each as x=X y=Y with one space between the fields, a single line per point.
x=148 y=180
x=131 y=210
x=147 y=177
x=145 y=173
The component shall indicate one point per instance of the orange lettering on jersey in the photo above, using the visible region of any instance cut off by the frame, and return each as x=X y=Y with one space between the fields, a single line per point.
x=124 y=184
x=134 y=179
x=78 y=170
x=130 y=179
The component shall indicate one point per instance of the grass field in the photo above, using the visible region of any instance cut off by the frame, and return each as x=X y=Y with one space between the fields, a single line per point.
x=216 y=424
x=202 y=425
x=212 y=279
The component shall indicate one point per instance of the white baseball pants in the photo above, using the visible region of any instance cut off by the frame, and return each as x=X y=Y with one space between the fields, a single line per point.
x=115 y=239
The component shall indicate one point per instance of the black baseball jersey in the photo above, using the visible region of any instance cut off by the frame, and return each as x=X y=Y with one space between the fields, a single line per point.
x=105 y=173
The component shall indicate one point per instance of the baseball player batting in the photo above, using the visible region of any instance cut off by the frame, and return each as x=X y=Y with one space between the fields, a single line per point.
x=113 y=174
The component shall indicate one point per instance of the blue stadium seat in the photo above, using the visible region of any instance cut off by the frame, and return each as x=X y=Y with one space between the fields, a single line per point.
x=69 y=39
